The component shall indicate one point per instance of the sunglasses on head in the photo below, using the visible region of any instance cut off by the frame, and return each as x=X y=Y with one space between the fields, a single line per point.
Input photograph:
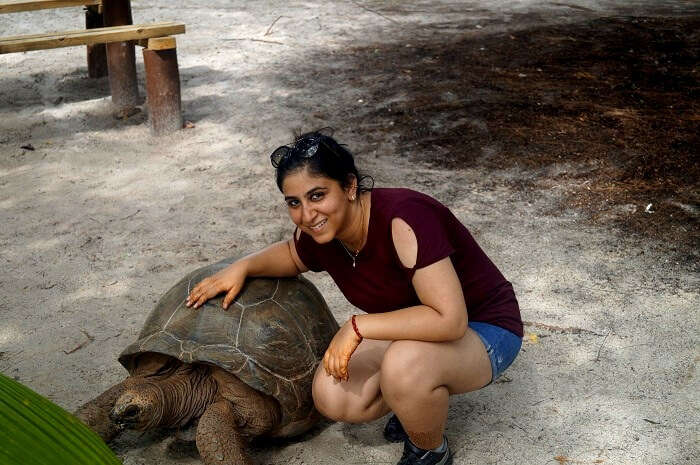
x=303 y=148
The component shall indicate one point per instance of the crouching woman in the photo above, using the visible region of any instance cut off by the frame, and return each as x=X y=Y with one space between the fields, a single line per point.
x=440 y=317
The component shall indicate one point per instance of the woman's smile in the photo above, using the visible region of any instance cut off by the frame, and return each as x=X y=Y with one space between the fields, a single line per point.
x=318 y=227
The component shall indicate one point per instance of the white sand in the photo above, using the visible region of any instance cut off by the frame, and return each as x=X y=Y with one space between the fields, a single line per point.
x=101 y=219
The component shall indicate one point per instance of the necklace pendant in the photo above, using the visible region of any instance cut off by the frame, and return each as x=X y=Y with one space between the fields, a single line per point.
x=353 y=256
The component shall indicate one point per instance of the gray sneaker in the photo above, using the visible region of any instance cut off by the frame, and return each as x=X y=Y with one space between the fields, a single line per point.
x=412 y=455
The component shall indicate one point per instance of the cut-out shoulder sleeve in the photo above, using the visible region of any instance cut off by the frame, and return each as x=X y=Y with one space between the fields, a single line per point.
x=306 y=250
x=405 y=242
x=428 y=224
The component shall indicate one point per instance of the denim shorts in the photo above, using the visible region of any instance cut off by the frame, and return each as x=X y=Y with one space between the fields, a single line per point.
x=501 y=345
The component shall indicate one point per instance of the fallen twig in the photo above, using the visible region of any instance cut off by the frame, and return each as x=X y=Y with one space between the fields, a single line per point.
x=597 y=357
x=573 y=7
x=129 y=216
x=255 y=40
x=503 y=379
x=116 y=335
x=269 y=29
x=560 y=329
x=82 y=344
x=375 y=12
x=520 y=428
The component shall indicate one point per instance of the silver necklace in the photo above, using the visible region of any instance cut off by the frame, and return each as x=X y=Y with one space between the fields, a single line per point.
x=353 y=256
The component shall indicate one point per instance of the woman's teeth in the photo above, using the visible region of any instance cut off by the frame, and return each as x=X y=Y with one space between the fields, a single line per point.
x=318 y=226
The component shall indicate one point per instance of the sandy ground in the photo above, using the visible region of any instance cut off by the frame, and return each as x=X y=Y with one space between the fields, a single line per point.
x=101 y=218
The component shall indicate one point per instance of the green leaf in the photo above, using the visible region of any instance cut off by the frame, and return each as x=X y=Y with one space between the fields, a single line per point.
x=34 y=430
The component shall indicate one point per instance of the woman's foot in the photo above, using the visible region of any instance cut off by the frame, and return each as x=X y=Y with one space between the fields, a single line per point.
x=412 y=455
x=393 y=431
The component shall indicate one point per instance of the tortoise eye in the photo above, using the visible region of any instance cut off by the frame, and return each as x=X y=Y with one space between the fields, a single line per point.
x=131 y=411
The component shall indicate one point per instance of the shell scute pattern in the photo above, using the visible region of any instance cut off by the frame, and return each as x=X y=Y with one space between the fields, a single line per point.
x=258 y=292
x=270 y=332
x=272 y=338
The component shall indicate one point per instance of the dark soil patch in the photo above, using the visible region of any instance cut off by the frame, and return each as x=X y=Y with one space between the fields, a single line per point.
x=607 y=111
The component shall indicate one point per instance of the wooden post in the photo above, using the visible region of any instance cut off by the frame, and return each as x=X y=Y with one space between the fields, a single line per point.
x=163 y=85
x=97 y=53
x=121 y=58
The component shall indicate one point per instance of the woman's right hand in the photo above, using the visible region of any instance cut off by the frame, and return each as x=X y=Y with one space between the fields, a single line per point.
x=229 y=280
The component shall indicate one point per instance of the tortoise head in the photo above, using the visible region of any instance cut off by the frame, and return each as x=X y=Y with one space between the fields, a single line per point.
x=170 y=396
x=140 y=407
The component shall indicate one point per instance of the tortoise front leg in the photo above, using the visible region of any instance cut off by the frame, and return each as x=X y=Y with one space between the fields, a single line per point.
x=218 y=439
x=95 y=413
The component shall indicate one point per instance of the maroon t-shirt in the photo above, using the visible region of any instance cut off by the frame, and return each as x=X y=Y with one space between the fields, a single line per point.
x=380 y=283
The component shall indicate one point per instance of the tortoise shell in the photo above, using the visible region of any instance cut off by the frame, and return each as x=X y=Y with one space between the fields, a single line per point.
x=272 y=336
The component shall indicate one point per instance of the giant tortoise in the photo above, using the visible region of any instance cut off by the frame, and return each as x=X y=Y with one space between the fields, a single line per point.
x=240 y=373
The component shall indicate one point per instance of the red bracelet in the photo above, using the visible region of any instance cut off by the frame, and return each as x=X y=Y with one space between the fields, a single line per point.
x=354 y=326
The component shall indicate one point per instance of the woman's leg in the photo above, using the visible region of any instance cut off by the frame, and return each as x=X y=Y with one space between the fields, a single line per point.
x=417 y=378
x=412 y=378
x=359 y=399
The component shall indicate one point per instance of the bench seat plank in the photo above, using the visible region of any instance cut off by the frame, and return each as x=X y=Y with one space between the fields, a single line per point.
x=14 y=6
x=100 y=35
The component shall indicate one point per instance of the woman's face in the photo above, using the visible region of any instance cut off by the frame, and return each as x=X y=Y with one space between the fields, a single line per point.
x=318 y=205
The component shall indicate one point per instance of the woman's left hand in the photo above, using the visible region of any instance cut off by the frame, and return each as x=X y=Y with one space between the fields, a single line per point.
x=339 y=351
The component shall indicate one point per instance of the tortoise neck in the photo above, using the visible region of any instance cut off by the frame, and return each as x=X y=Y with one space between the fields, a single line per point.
x=185 y=395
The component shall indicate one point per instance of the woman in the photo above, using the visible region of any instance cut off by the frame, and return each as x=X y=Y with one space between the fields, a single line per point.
x=441 y=319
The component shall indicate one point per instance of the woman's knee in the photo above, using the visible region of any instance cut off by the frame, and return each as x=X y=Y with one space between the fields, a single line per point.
x=340 y=402
x=328 y=399
x=405 y=369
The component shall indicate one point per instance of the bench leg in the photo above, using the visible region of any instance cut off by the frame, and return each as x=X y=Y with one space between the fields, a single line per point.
x=121 y=59
x=97 y=53
x=163 y=90
x=121 y=63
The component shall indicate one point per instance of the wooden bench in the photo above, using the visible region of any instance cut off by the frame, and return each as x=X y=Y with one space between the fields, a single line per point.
x=160 y=55
x=14 y=6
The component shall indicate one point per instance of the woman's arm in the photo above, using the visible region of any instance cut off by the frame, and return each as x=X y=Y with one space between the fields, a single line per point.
x=442 y=315
x=277 y=260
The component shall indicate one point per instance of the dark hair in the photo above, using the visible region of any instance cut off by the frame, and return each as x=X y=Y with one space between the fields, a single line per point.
x=322 y=155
